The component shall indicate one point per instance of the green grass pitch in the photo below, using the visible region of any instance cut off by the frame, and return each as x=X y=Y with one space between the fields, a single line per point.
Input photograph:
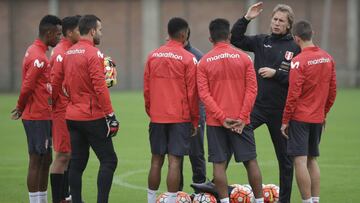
x=339 y=160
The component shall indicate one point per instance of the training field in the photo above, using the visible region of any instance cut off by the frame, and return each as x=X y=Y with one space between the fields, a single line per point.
x=339 y=161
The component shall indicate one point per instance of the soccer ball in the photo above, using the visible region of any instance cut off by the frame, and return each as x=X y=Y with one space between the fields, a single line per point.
x=241 y=194
x=204 y=198
x=271 y=193
x=110 y=72
x=183 y=197
x=162 y=198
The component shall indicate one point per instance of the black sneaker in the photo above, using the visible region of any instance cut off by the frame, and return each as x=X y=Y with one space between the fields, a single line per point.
x=205 y=187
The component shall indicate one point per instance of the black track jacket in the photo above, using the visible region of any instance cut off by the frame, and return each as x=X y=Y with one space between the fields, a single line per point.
x=273 y=51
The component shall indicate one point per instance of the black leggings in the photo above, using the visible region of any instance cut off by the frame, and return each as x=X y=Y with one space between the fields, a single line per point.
x=86 y=134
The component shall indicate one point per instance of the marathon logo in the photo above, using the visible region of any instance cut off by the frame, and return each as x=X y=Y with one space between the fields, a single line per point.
x=319 y=61
x=222 y=56
x=167 y=55
x=75 y=51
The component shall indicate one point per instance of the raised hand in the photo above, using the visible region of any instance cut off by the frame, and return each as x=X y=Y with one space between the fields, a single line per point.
x=254 y=10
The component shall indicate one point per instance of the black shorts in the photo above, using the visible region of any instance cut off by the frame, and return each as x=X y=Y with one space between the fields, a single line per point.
x=222 y=143
x=170 y=138
x=304 y=138
x=38 y=133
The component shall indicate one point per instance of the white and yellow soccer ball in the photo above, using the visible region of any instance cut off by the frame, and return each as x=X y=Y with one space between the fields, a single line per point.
x=110 y=72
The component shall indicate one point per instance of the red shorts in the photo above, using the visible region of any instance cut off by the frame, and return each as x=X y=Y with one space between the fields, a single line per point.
x=60 y=133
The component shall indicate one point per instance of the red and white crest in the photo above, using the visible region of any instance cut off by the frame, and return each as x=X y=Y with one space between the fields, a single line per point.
x=289 y=55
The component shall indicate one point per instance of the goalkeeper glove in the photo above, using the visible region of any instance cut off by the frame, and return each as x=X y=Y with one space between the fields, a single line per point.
x=112 y=124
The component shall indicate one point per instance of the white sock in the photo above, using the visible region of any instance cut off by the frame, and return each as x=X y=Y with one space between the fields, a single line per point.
x=33 y=197
x=151 y=195
x=225 y=200
x=315 y=199
x=259 y=200
x=42 y=197
x=171 y=197
x=307 y=201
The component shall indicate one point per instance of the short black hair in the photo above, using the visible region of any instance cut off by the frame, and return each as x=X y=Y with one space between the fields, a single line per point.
x=47 y=23
x=86 y=23
x=175 y=26
x=70 y=23
x=303 y=30
x=219 y=29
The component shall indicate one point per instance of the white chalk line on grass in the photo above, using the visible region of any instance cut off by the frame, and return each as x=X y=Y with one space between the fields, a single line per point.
x=119 y=180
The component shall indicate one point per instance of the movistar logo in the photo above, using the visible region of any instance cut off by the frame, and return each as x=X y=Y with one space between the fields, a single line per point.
x=38 y=64
x=59 y=58
x=100 y=55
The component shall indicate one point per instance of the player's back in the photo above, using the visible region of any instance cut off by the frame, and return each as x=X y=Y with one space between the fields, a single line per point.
x=227 y=71
x=166 y=77
x=318 y=71
x=84 y=81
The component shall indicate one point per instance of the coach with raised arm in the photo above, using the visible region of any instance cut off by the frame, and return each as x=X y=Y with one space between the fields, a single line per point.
x=273 y=53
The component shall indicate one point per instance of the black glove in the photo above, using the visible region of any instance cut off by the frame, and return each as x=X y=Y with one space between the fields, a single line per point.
x=112 y=124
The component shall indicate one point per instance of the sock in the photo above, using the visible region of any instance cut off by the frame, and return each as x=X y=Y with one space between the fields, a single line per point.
x=225 y=200
x=151 y=195
x=42 y=197
x=171 y=197
x=65 y=190
x=56 y=180
x=315 y=199
x=307 y=201
x=33 y=197
x=259 y=200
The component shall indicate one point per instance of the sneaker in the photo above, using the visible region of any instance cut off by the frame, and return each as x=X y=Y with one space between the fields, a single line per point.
x=205 y=187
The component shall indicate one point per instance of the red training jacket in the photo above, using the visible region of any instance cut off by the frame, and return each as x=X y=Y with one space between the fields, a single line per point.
x=170 y=85
x=60 y=101
x=227 y=84
x=85 y=83
x=312 y=86
x=35 y=95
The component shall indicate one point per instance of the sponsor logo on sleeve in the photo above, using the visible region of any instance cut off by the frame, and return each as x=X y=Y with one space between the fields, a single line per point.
x=295 y=64
x=59 y=58
x=38 y=64
x=195 y=61
x=100 y=55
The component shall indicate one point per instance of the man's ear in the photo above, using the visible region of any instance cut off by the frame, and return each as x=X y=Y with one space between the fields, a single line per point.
x=211 y=40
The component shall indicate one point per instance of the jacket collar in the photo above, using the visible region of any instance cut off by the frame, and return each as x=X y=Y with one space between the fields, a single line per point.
x=312 y=48
x=41 y=44
x=66 y=42
x=221 y=44
x=86 y=41
x=174 y=43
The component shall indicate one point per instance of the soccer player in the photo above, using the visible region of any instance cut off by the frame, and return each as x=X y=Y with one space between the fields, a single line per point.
x=60 y=133
x=227 y=86
x=312 y=92
x=196 y=153
x=273 y=53
x=171 y=102
x=34 y=107
x=89 y=115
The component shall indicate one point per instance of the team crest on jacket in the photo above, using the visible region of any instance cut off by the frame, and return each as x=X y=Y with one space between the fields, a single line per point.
x=289 y=55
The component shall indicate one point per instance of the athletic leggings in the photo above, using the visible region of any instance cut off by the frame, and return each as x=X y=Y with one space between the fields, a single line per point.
x=86 y=134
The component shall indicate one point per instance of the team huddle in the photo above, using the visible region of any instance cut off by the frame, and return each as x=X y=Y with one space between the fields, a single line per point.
x=290 y=86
